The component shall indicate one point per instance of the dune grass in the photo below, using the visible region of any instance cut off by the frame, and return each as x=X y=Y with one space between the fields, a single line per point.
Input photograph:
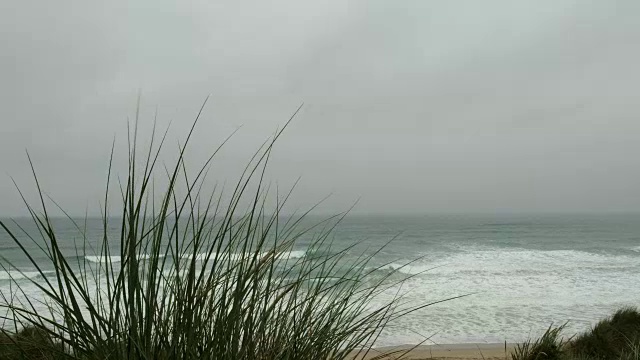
x=611 y=338
x=614 y=338
x=193 y=276
x=549 y=346
x=29 y=343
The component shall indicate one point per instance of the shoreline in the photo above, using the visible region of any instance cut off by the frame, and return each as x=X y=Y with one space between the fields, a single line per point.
x=466 y=351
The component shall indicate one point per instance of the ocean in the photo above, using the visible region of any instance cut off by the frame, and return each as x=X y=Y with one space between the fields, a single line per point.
x=520 y=273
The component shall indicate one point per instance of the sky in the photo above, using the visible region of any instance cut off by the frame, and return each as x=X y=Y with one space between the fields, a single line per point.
x=409 y=106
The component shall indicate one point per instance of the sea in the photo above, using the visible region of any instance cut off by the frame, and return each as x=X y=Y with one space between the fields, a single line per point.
x=512 y=275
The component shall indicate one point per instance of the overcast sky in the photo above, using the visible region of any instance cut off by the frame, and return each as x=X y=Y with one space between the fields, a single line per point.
x=411 y=106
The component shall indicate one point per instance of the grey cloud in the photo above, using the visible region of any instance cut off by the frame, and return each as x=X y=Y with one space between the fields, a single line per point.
x=414 y=106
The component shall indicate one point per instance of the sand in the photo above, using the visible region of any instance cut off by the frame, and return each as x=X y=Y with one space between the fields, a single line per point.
x=454 y=351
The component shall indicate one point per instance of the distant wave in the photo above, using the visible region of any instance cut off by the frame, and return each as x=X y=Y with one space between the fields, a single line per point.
x=295 y=254
x=411 y=269
x=508 y=224
x=114 y=258
x=517 y=262
x=103 y=259
x=17 y=275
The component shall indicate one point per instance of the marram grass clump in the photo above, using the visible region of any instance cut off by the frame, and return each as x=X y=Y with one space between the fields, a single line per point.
x=30 y=343
x=191 y=276
x=548 y=347
x=614 y=338
x=611 y=338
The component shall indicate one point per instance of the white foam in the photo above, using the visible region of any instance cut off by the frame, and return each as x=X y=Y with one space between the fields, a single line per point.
x=513 y=293
x=147 y=256
x=508 y=262
x=115 y=258
x=295 y=254
x=103 y=259
x=408 y=269
x=17 y=275
x=198 y=257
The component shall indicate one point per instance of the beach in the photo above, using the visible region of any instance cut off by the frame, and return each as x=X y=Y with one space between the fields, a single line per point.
x=451 y=351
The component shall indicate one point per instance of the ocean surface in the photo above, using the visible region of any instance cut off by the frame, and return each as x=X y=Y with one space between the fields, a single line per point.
x=521 y=272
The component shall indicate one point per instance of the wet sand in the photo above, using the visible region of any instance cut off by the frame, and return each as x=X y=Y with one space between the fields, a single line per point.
x=449 y=351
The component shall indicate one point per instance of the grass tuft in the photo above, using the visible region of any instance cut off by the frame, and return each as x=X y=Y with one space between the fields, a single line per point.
x=548 y=347
x=29 y=343
x=614 y=338
x=611 y=338
x=190 y=275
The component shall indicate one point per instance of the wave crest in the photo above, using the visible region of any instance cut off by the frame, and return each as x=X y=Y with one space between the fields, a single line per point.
x=21 y=275
x=294 y=254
